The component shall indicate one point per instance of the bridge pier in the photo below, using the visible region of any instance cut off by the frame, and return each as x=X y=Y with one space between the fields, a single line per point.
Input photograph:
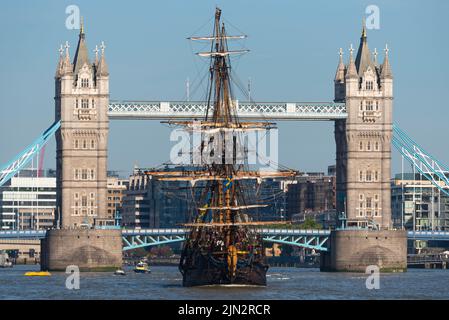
x=355 y=250
x=88 y=249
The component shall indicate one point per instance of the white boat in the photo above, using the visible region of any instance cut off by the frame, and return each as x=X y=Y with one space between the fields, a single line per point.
x=119 y=272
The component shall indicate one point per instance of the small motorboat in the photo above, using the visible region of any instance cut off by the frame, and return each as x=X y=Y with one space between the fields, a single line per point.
x=120 y=272
x=37 y=274
x=142 y=267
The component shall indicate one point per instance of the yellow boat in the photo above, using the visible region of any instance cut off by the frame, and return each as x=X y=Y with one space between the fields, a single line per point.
x=38 y=274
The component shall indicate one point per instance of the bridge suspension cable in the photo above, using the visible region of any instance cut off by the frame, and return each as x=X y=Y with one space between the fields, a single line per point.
x=23 y=158
x=432 y=169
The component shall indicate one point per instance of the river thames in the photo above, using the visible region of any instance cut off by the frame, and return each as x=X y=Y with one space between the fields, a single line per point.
x=283 y=283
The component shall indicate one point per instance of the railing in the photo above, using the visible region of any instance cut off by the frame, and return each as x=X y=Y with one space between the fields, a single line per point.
x=245 y=110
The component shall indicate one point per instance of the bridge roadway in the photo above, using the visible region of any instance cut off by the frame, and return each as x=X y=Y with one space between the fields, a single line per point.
x=159 y=110
x=138 y=238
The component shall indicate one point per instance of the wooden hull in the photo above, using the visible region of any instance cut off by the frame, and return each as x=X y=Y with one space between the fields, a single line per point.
x=207 y=271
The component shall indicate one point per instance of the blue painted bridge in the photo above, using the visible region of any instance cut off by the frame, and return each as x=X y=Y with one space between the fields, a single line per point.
x=310 y=239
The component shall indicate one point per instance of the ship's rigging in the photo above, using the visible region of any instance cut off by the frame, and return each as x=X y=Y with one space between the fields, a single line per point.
x=222 y=246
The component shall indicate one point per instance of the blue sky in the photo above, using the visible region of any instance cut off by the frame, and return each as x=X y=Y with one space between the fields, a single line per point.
x=294 y=46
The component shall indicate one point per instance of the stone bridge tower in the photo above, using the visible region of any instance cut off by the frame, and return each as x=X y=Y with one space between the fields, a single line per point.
x=363 y=169
x=81 y=101
x=363 y=140
x=81 y=104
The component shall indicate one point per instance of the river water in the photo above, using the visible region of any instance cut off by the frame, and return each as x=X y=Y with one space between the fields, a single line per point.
x=283 y=283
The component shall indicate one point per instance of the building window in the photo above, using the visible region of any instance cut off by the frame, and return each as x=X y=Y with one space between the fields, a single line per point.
x=93 y=103
x=76 y=144
x=76 y=174
x=92 y=144
x=368 y=176
x=376 y=176
x=368 y=146
x=92 y=174
x=84 y=174
x=376 y=146
x=360 y=176
x=369 y=105
x=76 y=103
x=361 y=145
x=369 y=85
x=368 y=202
x=377 y=105
x=361 y=196
x=361 y=105
x=84 y=144
x=92 y=195
x=84 y=201
x=76 y=195
x=85 y=83
x=85 y=103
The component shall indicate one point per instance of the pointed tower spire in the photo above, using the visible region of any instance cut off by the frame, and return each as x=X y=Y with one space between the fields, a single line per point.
x=363 y=59
x=66 y=66
x=352 y=71
x=82 y=26
x=102 y=69
x=340 y=74
x=60 y=62
x=81 y=55
x=96 y=55
x=386 y=69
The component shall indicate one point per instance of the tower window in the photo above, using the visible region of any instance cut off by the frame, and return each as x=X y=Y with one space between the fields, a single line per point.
x=368 y=146
x=84 y=103
x=369 y=85
x=92 y=144
x=361 y=145
x=368 y=202
x=93 y=103
x=376 y=146
x=85 y=83
x=84 y=201
x=368 y=175
x=377 y=105
x=369 y=106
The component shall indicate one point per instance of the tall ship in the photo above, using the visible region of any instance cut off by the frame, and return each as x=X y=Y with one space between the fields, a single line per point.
x=223 y=245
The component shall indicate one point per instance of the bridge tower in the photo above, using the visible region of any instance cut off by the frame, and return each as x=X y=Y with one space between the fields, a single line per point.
x=81 y=101
x=82 y=236
x=363 y=142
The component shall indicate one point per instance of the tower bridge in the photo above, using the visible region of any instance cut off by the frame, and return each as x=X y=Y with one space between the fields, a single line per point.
x=362 y=115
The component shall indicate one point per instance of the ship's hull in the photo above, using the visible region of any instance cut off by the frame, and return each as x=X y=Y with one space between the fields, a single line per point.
x=208 y=271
